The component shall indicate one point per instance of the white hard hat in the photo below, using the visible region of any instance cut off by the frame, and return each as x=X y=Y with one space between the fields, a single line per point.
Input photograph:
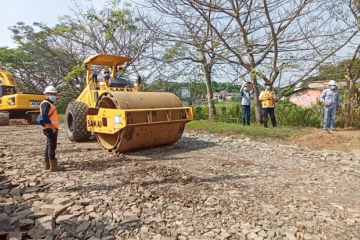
x=50 y=89
x=332 y=82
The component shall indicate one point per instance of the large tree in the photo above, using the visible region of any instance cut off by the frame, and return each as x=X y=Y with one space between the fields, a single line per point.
x=54 y=55
x=38 y=61
x=348 y=12
x=187 y=39
x=265 y=37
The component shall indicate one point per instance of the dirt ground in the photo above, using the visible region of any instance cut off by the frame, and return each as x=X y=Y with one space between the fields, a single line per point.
x=342 y=140
x=205 y=186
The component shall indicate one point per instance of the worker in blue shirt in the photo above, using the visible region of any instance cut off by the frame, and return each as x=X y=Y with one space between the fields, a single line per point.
x=331 y=100
x=50 y=125
x=247 y=92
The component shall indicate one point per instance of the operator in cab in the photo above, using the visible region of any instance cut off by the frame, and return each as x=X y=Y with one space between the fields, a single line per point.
x=50 y=126
x=107 y=75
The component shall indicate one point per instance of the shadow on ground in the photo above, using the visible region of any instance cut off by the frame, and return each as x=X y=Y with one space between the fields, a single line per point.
x=79 y=149
x=164 y=153
x=184 y=145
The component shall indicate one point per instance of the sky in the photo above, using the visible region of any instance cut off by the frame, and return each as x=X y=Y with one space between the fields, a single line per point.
x=30 y=11
x=48 y=11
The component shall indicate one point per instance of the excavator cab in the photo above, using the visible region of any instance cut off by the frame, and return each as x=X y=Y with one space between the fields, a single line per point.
x=7 y=90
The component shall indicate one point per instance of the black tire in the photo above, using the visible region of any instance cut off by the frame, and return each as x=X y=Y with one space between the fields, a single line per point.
x=4 y=119
x=31 y=117
x=75 y=122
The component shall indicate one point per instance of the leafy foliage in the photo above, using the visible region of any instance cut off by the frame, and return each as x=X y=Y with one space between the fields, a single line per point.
x=287 y=114
x=337 y=71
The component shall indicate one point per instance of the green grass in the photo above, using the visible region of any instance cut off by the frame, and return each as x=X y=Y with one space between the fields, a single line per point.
x=255 y=130
x=62 y=117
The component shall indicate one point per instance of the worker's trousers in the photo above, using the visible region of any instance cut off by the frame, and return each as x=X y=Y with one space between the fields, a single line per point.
x=269 y=111
x=246 y=114
x=329 y=115
x=51 y=143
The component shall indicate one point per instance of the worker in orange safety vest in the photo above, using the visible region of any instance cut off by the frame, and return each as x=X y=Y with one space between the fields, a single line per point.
x=49 y=119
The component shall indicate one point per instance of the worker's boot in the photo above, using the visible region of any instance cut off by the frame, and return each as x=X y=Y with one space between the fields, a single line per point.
x=54 y=167
x=47 y=163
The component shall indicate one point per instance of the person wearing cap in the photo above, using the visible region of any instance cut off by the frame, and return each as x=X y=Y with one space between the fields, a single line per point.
x=246 y=91
x=107 y=75
x=331 y=100
x=268 y=99
x=50 y=127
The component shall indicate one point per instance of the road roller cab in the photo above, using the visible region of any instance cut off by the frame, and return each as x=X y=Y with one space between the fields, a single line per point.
x=76 y=112
x=122 y=118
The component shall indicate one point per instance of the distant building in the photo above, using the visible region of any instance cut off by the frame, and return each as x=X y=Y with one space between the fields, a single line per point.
x=323 y=84
x=308 y=94
x=306 y=97
x=220 y=96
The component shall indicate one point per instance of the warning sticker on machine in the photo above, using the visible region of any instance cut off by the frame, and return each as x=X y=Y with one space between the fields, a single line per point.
x=117 y=119
x=35 y=103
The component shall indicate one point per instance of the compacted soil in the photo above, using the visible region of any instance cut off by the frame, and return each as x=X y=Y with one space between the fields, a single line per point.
x=205 y=186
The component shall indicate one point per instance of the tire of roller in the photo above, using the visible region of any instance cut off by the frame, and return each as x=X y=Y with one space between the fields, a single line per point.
x=78 y=111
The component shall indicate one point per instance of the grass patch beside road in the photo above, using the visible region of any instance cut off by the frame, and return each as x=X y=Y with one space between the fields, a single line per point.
x=253 y=130
x=62 y=118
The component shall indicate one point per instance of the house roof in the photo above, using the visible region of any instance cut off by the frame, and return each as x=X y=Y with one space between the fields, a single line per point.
x=301 y=89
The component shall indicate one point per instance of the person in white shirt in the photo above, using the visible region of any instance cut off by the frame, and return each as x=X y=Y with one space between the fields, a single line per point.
x=331 y=100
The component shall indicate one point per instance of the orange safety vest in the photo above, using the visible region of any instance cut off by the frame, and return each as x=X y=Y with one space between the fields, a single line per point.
x=54 y=117
x=269 y=103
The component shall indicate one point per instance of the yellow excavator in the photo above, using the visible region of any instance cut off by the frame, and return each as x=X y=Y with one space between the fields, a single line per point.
x=120 y=116
x=16 y=104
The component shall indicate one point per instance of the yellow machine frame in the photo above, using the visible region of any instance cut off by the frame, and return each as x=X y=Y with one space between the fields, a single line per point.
x=146 y=119
x=97 y=88
x=18 y=105
x=111 y=121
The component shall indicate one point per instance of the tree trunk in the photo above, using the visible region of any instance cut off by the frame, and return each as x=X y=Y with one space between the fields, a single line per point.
x=347 y=110
x=209 y=92
x=257 y=103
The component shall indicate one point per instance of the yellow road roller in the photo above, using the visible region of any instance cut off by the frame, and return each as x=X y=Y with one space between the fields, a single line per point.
x=121 y=117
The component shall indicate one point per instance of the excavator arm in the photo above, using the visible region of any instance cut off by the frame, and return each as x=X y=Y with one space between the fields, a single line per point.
x=7 y=79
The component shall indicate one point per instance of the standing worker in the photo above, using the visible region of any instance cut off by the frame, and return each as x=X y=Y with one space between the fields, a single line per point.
x=49 y=119
x=330 y=98
x=247 y=91
x=107 y=75
x=268 y=99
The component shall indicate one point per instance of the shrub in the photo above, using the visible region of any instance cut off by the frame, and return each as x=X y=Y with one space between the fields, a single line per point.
x=286 y=114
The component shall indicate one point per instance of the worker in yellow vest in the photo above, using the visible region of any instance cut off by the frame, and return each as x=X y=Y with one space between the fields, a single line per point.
x=268 y=99
x=49 y=120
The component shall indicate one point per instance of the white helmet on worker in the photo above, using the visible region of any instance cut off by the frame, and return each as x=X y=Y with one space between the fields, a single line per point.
x=332 y=83
x=50 y=89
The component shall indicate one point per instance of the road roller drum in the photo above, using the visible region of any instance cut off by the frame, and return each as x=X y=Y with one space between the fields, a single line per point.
x=128 y=121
